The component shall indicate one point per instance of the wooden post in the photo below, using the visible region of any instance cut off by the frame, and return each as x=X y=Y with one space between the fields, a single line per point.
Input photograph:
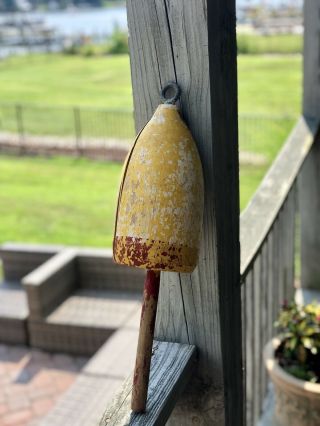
x=309 y=184
x=194 y=43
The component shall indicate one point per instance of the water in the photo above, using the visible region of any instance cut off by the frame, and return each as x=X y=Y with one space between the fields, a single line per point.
x=91 y=22
x=271 y=3
x=95 y=23
x=100 y=22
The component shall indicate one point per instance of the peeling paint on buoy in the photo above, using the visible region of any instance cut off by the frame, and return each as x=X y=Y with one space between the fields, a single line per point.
x=160 y=206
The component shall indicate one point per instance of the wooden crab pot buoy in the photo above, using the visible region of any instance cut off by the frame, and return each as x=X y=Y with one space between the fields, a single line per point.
x=159 y=217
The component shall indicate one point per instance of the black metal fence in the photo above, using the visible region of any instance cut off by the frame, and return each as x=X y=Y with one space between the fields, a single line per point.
x=260 y=137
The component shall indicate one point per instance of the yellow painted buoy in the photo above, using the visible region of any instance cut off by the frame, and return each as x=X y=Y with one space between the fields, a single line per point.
x=159 y=216
x=160 y=203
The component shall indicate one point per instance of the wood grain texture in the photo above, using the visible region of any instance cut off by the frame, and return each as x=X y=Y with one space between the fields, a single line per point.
x=276 y=267
x=244 y=349
x=274 y=189
x=280 y=259
x=264 y=313
x=309 y=199
x=171 y=367
x=248 y=308
x=290 y=230
x=203 y=308
x=257 y=330
x=270 y=286
x=311 y=63
x=309 y=183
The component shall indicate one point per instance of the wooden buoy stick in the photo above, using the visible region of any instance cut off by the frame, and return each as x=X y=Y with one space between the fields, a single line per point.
x=144 y=350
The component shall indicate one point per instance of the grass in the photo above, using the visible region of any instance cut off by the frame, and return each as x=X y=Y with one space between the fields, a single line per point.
x=72 y=201
x=262 y=44
x=60 y=121
x=262 y=136
x=250 y=177
x=270 y=85
x=267 y=84
x=61 y=80
x=57 y=200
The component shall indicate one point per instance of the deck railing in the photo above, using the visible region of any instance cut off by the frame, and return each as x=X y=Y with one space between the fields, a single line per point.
x=268 y=236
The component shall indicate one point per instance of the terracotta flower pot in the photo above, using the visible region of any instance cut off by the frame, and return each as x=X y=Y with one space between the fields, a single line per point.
x=297 y=402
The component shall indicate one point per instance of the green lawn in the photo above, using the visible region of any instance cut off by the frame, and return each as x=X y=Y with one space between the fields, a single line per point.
x=50 y=85
x=72 y=201
x=58 y=200
x=60 y=80
x=275 y=43
x=270 y=85
x=267 y=84
x=250 y=177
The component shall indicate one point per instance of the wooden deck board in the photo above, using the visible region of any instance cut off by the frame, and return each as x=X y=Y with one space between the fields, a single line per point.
x=171 y=368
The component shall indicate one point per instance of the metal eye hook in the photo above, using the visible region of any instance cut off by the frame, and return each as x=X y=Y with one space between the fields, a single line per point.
x=176 y=90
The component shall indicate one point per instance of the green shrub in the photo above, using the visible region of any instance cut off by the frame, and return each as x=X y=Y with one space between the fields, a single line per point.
x=73 y=49
x=88 y=50
x=243 y=45
x=117 y=43
x=299 y=351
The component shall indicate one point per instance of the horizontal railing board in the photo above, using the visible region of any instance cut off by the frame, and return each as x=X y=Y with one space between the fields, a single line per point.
x=259 y=216
x=171 y=368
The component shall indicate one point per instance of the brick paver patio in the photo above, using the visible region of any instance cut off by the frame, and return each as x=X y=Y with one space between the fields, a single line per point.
x=31 y=381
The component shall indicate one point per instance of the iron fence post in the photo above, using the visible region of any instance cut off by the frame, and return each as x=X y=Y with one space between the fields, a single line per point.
x=20 y=125
x=77 y=128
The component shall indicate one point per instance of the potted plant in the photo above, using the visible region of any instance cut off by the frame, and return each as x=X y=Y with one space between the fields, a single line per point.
x=293 y=363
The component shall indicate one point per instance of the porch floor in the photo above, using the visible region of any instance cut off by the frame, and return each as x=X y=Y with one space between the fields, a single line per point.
x=267 y=416
x=31 y=381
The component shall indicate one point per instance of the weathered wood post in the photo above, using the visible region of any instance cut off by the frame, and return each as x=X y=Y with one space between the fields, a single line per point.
x=194 y=43
x=309 y=190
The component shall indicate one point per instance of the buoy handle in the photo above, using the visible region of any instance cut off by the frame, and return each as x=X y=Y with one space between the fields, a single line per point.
x=144 y=350
x=172 y=87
